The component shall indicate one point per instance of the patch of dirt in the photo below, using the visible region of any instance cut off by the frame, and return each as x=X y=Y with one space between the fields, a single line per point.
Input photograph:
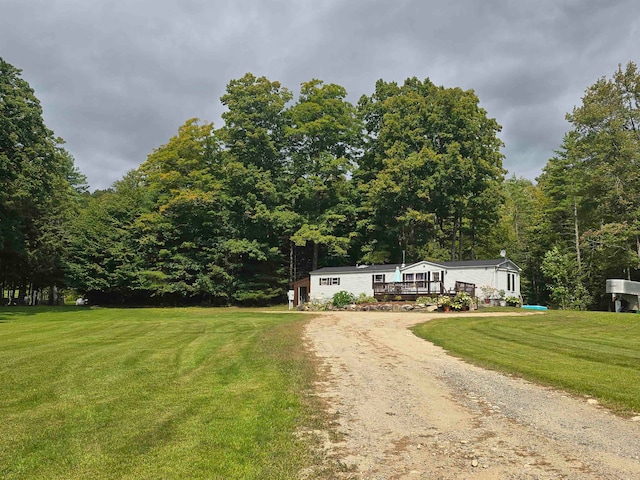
x=407 y=410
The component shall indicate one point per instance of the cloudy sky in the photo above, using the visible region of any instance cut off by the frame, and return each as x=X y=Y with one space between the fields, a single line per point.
x=117 y=78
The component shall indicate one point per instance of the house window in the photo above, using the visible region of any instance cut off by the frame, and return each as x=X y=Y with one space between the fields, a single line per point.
x=511 y=282
x=435 y=276
x=378 y=278
x=421 y=277
x=330 y=281
x=407 y=277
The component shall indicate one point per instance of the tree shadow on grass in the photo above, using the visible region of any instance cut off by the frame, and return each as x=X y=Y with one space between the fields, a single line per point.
x=8 y=313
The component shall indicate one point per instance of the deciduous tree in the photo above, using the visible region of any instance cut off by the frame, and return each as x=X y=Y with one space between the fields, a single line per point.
x=323 y=137
x=433 y=155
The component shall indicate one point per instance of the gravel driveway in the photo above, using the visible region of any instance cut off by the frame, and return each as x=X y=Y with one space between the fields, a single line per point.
x=407 y=410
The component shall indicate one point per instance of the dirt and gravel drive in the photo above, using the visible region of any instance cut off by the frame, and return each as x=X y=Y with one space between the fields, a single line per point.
x=407 y=410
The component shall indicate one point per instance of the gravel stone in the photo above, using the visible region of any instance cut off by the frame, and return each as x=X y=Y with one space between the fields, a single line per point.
x=392 y=390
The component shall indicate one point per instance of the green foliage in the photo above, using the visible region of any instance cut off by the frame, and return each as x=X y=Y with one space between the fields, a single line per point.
x=567 y=290
x=431 y=175
x=342 y=298
x=426 y=301
x=586 y=353
x=39 y=190
x=105 y=259
x=364 y=298
x=232 y=215
x=559 y=268
x=463 y=299
x=593 y=187
x=445 y=301
x=254 y=122
x=513 y=301
x=524 y=231
x=322 y=139
x=219 y=216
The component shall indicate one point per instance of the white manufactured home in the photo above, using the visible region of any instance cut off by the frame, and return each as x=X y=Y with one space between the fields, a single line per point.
x=411 y=281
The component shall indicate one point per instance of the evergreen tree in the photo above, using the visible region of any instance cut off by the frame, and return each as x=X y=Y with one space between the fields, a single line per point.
x=592 y=186
x=37 y=190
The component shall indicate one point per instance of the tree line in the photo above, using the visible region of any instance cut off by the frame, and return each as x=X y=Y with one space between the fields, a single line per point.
x=40 y=191
x=287 y=184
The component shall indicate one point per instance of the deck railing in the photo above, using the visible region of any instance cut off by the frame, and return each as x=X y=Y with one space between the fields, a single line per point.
x=421 y=288
x=470 y=288
x=409 y=288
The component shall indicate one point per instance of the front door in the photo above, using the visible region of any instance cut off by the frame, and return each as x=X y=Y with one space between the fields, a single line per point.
x=302 y=295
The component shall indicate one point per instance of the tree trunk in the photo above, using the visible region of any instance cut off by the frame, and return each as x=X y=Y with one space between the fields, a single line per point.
x=472 y=238
x=577 y=235
x=460 y=242
x=314 y=261
x=22 y=289
x=291 y=273
x=454 y=232
x=53 y=295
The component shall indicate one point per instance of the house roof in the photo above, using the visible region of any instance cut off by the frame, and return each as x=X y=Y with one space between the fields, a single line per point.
x=357 y=269
x=496 y=262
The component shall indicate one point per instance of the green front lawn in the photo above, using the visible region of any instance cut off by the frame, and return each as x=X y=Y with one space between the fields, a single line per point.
x=587 y=353
x=152 y=393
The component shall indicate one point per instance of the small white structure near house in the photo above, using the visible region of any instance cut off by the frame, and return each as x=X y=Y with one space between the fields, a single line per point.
x=625 y=294
x=417 y=279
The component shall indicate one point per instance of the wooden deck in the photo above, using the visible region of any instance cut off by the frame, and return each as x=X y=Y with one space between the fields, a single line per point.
x=413 y=290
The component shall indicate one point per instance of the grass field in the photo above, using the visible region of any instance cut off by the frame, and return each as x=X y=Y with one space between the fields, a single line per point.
x=152 y=393
x=586 y=353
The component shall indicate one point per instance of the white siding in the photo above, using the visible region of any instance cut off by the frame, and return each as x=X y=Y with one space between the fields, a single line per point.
x=502 y=283
x=424 y=267
x=353 y=282
x=477 y=275
x=484 y=276
x=361 y=280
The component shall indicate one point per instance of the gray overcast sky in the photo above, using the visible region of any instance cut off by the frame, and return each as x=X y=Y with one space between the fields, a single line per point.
x=117 y=78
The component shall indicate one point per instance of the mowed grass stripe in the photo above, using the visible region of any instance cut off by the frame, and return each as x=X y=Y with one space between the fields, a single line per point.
x=151 y=393
x=587 y=353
